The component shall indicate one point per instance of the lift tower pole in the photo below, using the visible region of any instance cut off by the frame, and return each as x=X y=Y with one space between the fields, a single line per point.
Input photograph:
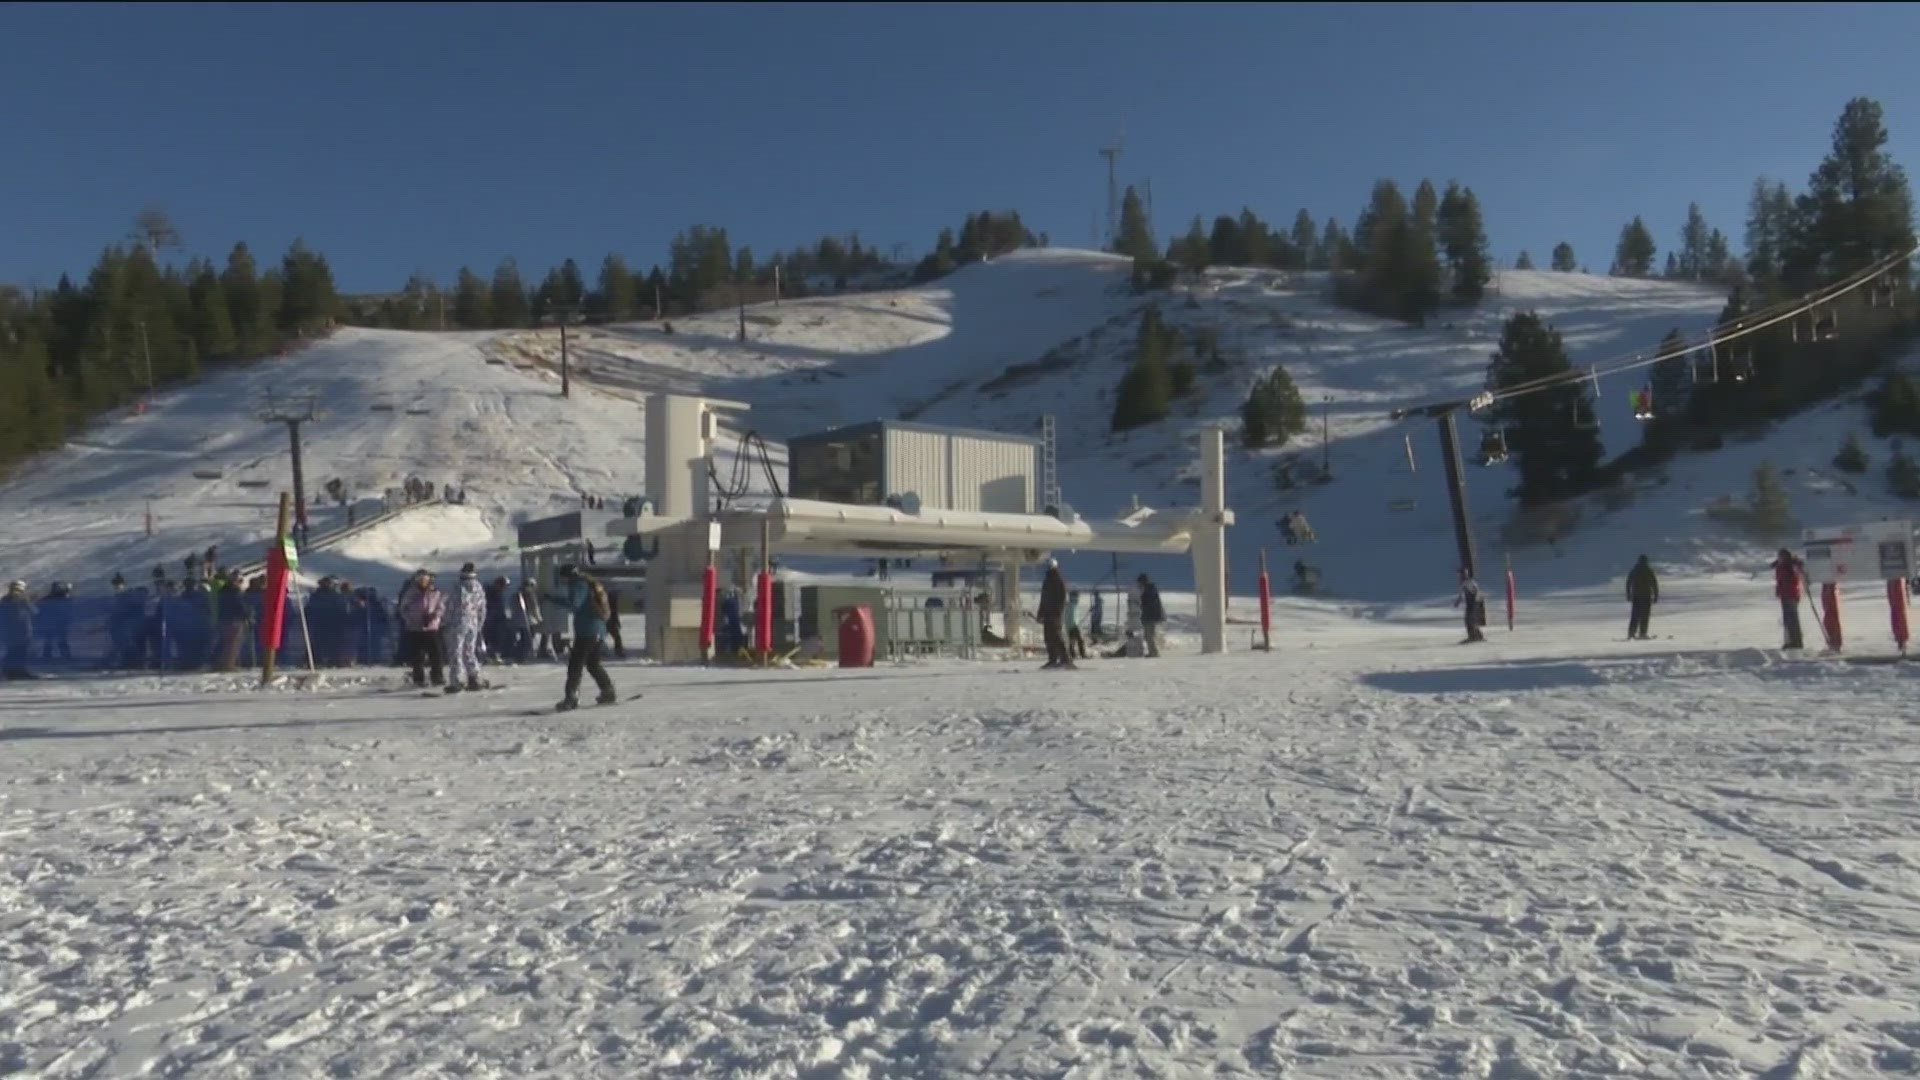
x=293 y=412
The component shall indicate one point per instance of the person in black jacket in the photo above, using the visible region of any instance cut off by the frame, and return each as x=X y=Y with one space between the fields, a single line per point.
x=1643 y=591
x=1053 y=609
x=1152 y=614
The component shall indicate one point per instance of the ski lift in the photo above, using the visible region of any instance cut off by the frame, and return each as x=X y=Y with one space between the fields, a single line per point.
x=1493 y=447
x=1704 y=366
x=1880 y=294
x=1826 y=327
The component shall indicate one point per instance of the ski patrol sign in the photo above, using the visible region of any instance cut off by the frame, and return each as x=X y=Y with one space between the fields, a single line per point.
x=1876 y=551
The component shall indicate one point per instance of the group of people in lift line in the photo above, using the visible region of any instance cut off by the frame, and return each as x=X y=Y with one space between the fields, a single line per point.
x=1059 y=616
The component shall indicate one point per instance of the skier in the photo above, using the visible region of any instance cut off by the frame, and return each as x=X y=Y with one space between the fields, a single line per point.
x=422 y=609
x=16 y=630
x=470 y=616
x=587 y=602
x=56 y=616
x=1152 y=614
x=1473 y=600
x=1788 y=572
x=1076 y=642
x=1643 y=591
x=231 y=612
x=1053 y=608
x=1095 y=620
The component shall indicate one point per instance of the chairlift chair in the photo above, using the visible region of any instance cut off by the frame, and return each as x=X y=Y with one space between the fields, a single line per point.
x=1493 y=447
x=1826 y=327
x=1643 y=404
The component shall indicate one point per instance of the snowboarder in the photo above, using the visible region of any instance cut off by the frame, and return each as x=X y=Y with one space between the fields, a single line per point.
x=1643 y=591
x=586 y=599
x=422 y=609
x=469 y=619
x=1076 y=642
x=16 y=630
x=1474 y=601
x=1053 y=609
x=1152 y=614
x=1788 y=572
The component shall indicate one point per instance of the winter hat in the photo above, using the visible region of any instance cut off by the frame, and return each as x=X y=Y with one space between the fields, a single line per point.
x=467 y=570
x=16 y=585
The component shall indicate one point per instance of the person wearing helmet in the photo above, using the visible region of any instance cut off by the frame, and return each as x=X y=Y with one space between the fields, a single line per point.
x=1053 y=609
x=16 y=630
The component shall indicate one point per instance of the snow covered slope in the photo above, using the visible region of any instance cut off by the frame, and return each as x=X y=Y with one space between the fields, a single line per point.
x=1381 y=856
x=394 y=404
x=994 y=345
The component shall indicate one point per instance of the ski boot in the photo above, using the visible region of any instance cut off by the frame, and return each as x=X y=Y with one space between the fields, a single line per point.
x=452 y=687
x=567 y=704
x=607 y=697
x=474 y=683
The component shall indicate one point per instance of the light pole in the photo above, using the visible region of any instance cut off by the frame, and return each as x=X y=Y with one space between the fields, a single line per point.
x=563 y=314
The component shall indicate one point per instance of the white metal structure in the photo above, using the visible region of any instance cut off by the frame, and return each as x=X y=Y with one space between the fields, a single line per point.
x=680 y=432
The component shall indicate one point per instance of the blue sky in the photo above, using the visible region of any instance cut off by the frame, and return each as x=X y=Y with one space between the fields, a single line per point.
x=398 y=138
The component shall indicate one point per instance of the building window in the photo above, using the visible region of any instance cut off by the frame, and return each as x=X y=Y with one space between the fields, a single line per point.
x=842 y=470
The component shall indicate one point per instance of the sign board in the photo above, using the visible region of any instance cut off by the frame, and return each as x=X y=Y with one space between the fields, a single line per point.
x=1876 y=551
x=552 y=530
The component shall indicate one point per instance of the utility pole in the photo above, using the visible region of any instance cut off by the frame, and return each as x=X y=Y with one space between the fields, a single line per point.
x=776 y=284
x=740 y=295
x=563 y=314
x=1111 y=152
x=293 y=413
x=1326 y=439
x=1457 y=491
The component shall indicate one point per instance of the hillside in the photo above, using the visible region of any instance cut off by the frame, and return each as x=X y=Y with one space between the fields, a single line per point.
x=994 y=345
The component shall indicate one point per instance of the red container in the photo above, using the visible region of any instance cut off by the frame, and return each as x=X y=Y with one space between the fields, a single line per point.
x=856 y=635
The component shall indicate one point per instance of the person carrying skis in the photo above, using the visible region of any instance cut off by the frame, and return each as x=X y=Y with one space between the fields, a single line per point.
x=16 y=630
x=1788 y=572
x=469 y=622
x=1473 y=600
x=586 y=600
x=1643 y=591
x=1152 y=614
x=1053 y=609
x=422 y=610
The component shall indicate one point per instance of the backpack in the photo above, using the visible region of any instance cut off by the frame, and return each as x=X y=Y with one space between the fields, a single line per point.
x=602 y=607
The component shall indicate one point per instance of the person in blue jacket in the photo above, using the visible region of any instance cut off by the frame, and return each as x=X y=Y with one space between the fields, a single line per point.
x=587 y=599
x=56 y=619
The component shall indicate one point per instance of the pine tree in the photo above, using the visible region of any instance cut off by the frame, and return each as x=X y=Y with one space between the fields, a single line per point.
x=1672 y=272
x=213 y=330
x=1192 y=251
x=1555 y=450
x=254 y=311
x=1146 y=392
x=1770 y=227
x=1768 y=511
x=1336 y=250
x=310 y=301
x=618 y=297
x=1694 y=260
x=1563 y=259
x=1720 y=265
x=1858 y=208
x=1306 y=242
x=1426 y=207
x=1671 y=384
x=1385 y=208
x=1135 y=238
x=1633 y=256
x=1257 y=247
x=511 y=310
x=1273 y=411
x=571 y=288
x=1852 y=457
x=1524 y=262
x=472 y=301
x=1225 y=245
x=1463 y=237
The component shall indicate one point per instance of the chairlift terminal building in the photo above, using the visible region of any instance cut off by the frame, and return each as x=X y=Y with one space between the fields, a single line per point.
x=922 y=466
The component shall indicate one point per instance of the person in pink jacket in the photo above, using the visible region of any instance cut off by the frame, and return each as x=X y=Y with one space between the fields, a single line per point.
x=422 y=609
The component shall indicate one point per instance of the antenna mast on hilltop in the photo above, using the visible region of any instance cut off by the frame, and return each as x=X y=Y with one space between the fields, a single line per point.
x=1111 y=152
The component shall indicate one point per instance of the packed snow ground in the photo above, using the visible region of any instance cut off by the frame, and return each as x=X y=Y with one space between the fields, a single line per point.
x=1371 y=853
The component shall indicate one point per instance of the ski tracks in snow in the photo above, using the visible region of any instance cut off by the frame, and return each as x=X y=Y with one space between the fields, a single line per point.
x=1246 y=865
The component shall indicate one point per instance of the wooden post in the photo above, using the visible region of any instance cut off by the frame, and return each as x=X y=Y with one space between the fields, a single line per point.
x=764 y=594
x=279 y=545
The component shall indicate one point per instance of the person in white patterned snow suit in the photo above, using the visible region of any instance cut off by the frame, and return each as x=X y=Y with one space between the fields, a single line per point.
x=469 y=620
